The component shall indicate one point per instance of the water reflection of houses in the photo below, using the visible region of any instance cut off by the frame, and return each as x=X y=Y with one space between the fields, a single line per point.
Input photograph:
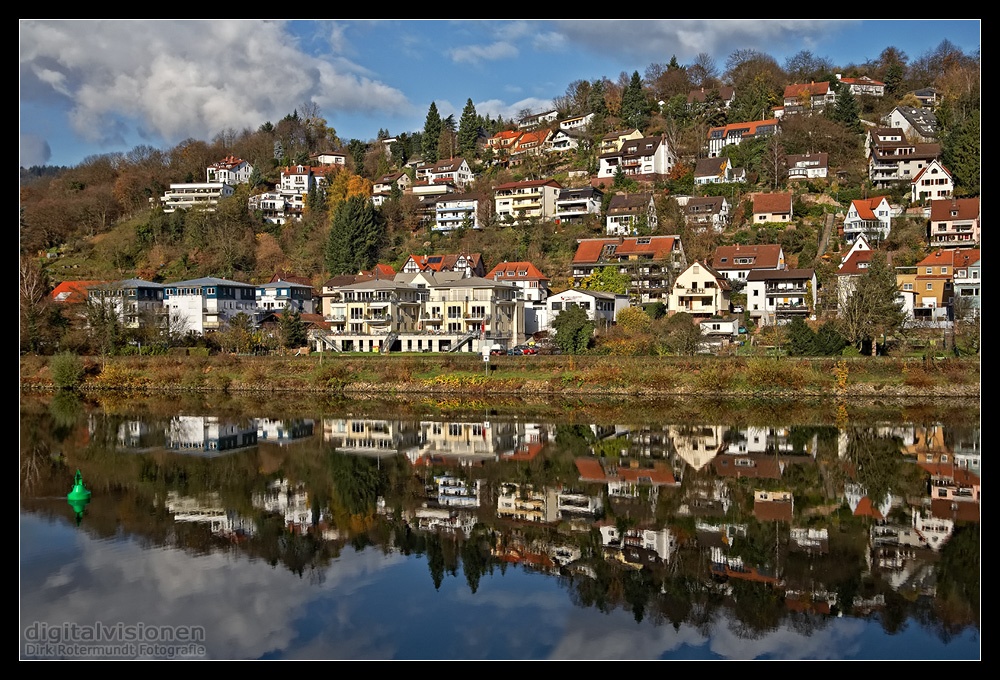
x=209 y=510
x=209 y=436
x=370 y=436
x=523 y=503
x=637 y=546
x=139 y=436
x=284 y=432
x=291 y=501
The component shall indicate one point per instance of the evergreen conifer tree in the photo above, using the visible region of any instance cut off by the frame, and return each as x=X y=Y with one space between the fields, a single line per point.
x=468 y=130
x=356 y=235
x=432 y=135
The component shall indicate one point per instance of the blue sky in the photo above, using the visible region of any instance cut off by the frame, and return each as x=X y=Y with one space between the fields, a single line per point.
x=96 y=86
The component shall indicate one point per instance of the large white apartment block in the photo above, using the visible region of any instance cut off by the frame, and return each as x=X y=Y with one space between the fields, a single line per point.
x=135 y=301
x=573 y=205
x=277 y=295
x=455 y=211
x=201 y=195
x=209 y=303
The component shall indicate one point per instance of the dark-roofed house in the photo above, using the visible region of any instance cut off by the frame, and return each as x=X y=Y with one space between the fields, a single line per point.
x=955 y=223
x=702 y=96
x=652 y=262
x=772 y=208
x=573 y=205
x=736 y=262
x=775 y=297
x=717 y=170
x=807 y=166
x=646 y=158
x=932 y=182
x=708 y=210
x=892 y=158
x=628 y=212
x=916 y=122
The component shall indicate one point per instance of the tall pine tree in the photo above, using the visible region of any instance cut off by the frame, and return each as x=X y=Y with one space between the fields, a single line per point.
x=356 y=235
x=468 y=130
x=634 y=106
x=432 y=135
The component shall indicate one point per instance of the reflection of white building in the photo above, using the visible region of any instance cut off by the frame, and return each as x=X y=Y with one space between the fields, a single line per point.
x=208 y=436
x=283 y=431
x=454 y=492
x=525 y=504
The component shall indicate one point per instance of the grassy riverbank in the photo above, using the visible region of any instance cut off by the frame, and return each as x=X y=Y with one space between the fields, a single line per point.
x=569 y=375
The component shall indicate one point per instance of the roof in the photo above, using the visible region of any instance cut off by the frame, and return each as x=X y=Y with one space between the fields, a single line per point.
x=927 y=167
x=529 y=183
x=968 y=209
x=772 y=511
x=772 y=203
x=628 y=203
x=960 y=257
x=764 y=257
x=814 y=89
x=701 y=95
x=863 y=80
x=284 y=284
x=635 y=147
x=722 y=281
x=852 y=265
x=444 y=262
x=821 y=158
x=227 y=163
x=747 y=129
x=286 y=275
x=72 y=292
x=710 y=167
x=208 y=281
x=866 y=206
x=510 y=271
x=657 y=247
x=714 y=203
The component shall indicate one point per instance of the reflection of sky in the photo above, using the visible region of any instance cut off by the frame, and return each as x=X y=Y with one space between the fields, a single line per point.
x=372 y=606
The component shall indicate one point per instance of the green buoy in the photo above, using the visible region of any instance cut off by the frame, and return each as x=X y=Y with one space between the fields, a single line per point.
x=78 y=497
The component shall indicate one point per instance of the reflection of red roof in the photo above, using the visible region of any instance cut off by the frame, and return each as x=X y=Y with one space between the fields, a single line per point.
x=525 y=452
x=943 y=508
x=866 y=509
x=590 y=470
x=73 y=292
x=657 y=247
x=772 y=511
x=657 y=475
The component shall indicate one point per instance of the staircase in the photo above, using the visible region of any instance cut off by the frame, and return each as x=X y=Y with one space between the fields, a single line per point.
x=464 y=339
x=388 y=342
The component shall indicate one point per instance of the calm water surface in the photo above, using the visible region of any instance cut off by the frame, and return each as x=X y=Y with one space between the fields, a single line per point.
x=465 y=530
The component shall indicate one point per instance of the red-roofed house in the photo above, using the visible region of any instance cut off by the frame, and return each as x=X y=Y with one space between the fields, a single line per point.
x=736 y=262
x=533 y=283
x=864 y=85
x=735 y=133
x=870 y=217
x=651 y=261
x=809 y=96
x=772 y=208
x=73 y=292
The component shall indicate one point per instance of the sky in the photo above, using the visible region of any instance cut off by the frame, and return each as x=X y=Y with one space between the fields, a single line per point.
x=98 y=86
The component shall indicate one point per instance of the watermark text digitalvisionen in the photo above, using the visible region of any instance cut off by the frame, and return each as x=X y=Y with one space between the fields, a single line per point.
x=117 y=640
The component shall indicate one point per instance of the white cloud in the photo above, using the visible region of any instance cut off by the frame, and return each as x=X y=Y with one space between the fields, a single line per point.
x=473 y=54
x=182 y=79
x=34 y=150
x=493 y=107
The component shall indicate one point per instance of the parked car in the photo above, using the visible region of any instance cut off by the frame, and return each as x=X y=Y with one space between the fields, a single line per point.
x=526 y=349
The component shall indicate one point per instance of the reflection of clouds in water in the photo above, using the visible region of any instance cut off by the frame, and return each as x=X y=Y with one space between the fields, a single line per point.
x=246 y=607
x=589 y=636
x=840 y=640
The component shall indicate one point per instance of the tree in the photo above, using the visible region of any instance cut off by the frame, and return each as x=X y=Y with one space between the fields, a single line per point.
x=238 y=336
x=847 y=112
x=573 y=330
x=356 y=235
x=293 y=329
x=607 y=279
x=634 y=106
x=432 y=135
x=960 y=152
x=872 y=310
x=468 y=130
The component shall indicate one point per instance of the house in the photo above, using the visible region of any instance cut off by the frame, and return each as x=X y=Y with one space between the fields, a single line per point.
x=807 y=166
x=536 y=119
x=503 y=142
x=646 y=158
x=717 y=170
x=576 y=122
x=230 y=170
x=933 y=281
x=208 y=303
x=382 y=188
x=775 y=297
x=772 y=208
x=808 y=96
x=454 y=171
x=954 y=223
x=700 y=291
x=701 y=96
x=863 y=85
x=967 y=302
x=533 y=284
x=565 y=140
x=916 y=123
x=933 y=182
x=136 y=302
x=602 y=308
x=455 y=211
x=517 y=201
x=467 y=264
x=612 y=142
x=892 y=158
x=736 y=262
x=573 y=205
x=709 y=210
x=870 y=217
x=629 y=213
x=854 y=265
x=928 y=96
x=329 y=158
x=73 y=292
x=201 y=195
x=275 y=296
x=735 y=133
x=651 y=262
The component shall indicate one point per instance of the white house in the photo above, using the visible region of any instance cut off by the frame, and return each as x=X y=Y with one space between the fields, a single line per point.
x=647 y=157
x=933 y=182
x=276 y=295
x=209 y=303
x=202 y=195
x=627 y=212
x=601 y=307
x=230 y=170
x=869 y=216
x=454 y=211
x=779 y=296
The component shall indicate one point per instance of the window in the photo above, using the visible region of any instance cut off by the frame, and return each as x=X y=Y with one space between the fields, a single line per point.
x=556 y=306
x=907 y=286
x=930 y=286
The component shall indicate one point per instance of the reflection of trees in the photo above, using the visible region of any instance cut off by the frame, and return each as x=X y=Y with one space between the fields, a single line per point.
x=357 y=482
x=958 y=578
x=876 y=461
x=758 y=609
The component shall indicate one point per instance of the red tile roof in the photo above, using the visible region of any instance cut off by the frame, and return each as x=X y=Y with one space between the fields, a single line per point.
x=968 y=209
x=814 y=89
x=658 y=247
x=866 y=206
x=772 y=203
x=73 y=292
x=508 y=271
x=749 y=128
x=765 y=257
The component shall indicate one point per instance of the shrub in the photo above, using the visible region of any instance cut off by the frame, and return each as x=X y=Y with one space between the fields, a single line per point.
x=67 y=371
